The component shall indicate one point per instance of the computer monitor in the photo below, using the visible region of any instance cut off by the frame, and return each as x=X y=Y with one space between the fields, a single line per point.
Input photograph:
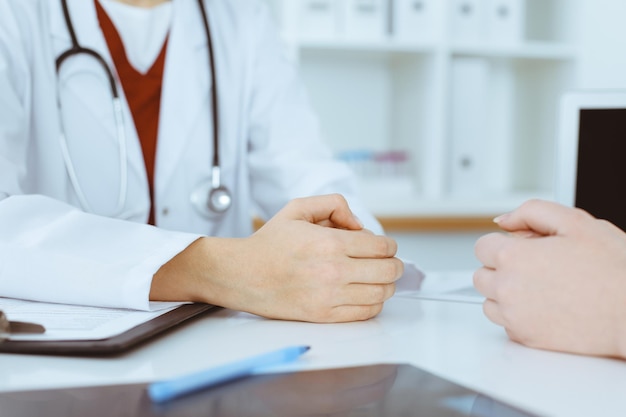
x=591 y=154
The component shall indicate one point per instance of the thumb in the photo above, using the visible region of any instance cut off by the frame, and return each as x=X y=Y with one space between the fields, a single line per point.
x=538 y=216
x=330 y=209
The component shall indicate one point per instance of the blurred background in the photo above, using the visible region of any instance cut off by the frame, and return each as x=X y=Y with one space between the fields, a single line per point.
x=448 y=109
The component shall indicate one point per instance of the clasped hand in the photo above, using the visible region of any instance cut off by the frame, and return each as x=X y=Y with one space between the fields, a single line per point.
x=556 y=280
x=313 y=261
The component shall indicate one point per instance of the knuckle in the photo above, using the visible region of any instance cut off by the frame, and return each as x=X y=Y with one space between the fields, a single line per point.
x=387 y=271
x=485 y=244
x=336 y=246
x=325 y=246
x=502 y=292
x=374 y=311
x=380 y=247
x=333 y=316
x=394 y=270
x=378 y=293
x=399 y=268
x=506 y=253
x=391 y=290
x=521 y=336
x=339 y=199
x=481 y=242
x=392 y=246
x=477 y=278
x=608 y=225
x=532 y=202
x=324 y=317
x=579 y=215
x=487 y=310
x=318 y=311
x=295 y=202
x=384 y=246
x=330 y=273
x=366 y=312
x=360 y=313
x=503 y=255
x=575 y=218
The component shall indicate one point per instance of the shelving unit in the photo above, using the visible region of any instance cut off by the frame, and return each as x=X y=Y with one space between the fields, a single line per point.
x=476 y=114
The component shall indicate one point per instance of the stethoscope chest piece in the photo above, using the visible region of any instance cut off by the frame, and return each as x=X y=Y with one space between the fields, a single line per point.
x=212 y=199
x=219 y=200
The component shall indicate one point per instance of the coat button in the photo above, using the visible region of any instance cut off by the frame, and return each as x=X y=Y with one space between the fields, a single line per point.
x=165 y=211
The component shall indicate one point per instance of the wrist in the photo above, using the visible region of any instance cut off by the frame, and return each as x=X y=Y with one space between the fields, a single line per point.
x=192 y=275
x=620 y=315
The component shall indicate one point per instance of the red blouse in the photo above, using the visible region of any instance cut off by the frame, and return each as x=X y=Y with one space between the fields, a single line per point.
x=143 y=94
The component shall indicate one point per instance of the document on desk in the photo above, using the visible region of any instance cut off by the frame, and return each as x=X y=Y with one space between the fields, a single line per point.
x=449 y=286
x=70 y=322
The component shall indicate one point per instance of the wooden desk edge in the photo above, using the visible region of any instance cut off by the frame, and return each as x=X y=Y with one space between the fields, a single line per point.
x=430 y=223
x=438 y=223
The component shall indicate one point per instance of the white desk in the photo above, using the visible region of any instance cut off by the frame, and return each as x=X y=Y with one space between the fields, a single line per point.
x=452 y=340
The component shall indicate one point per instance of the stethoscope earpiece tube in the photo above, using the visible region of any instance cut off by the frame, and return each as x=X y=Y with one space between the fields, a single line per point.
x=77 y=49
x=217 y=198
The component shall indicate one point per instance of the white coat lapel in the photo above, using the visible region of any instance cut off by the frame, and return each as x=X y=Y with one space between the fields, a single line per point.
x=89 y=35
x=186 y=89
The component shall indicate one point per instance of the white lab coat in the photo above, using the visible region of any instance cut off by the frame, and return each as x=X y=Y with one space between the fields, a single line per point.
x=50 y=250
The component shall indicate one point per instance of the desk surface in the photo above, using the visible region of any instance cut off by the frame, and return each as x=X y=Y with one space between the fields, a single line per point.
x=449 y=339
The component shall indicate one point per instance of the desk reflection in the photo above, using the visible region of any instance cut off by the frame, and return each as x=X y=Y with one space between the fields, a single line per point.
x=367 y=391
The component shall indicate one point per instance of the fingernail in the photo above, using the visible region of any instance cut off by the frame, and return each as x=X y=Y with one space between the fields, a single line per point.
x=500 y=218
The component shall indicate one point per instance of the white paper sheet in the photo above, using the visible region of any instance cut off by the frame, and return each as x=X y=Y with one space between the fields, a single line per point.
x=448 y=286
x=70 y=322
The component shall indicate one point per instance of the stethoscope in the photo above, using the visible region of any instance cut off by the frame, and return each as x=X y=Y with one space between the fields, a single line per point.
x=211 y=198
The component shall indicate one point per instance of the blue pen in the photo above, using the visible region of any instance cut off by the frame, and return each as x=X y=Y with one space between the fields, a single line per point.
x=163 y=391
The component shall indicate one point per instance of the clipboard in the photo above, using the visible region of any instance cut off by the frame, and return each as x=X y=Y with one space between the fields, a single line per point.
x=114 y=345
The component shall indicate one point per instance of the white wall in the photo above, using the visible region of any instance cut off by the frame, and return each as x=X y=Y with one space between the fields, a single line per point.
x=603 y=44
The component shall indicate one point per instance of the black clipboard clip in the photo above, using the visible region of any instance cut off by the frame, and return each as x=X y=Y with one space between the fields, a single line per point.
x=7 y=328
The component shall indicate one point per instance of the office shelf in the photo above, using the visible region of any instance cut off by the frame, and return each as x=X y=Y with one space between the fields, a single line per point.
x=476 y=114
x=528 y=50
x=415 y=205
x=382 y=45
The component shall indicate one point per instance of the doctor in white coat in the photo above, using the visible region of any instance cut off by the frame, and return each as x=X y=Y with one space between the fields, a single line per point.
x=74 y=191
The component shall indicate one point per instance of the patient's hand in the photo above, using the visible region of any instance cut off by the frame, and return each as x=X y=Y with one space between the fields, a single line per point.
x=558 y=281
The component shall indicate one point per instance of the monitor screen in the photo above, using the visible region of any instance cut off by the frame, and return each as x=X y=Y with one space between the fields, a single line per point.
x=601 y=171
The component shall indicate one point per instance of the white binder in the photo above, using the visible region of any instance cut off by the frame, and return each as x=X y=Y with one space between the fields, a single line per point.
x=467 y=20
x=366 y=19
x=414 y=20
x=467 y=153
x=318 y=19
x=505 y=21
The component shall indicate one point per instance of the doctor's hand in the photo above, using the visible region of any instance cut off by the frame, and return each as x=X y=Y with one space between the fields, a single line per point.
x=312 y=262
x=557 y=281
